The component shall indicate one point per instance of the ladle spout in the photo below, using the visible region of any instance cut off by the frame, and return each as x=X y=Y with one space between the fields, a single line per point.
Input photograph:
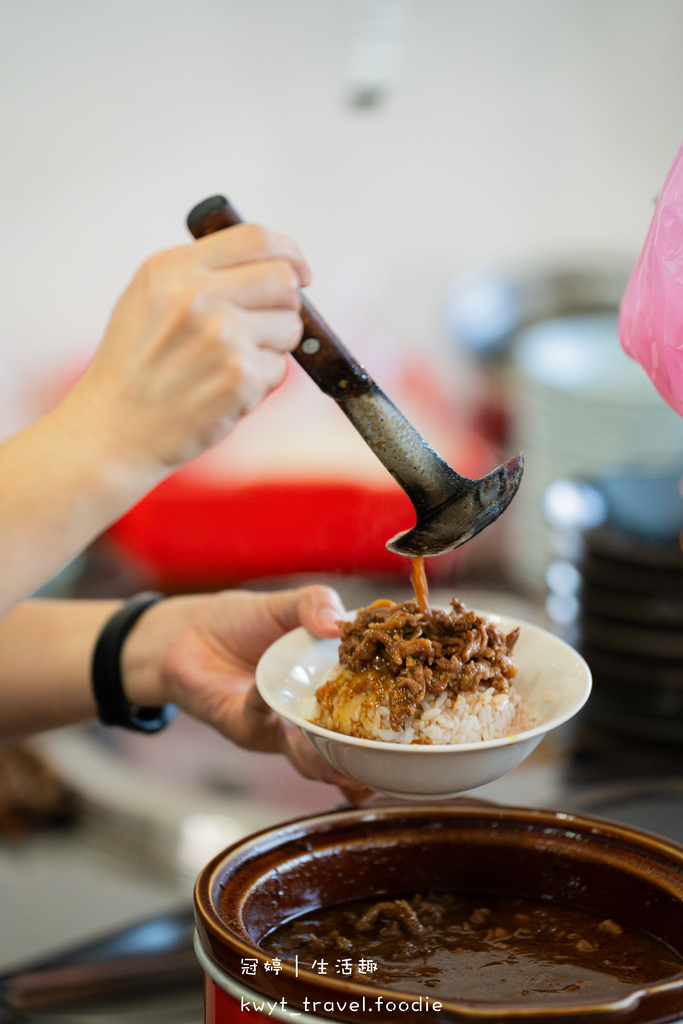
x=446 y=526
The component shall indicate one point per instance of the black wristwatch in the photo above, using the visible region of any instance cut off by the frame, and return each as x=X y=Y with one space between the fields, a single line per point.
x=113 y=707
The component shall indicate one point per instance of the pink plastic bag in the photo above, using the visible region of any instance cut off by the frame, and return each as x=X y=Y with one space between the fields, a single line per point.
x=651 y=313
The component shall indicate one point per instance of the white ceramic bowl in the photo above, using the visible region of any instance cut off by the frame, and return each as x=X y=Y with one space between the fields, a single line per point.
x=553 y=680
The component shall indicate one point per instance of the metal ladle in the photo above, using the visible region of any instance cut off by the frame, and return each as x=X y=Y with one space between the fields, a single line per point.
x=449 y=508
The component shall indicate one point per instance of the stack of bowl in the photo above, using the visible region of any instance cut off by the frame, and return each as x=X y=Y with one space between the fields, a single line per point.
x=630 y=631
x=583 y=409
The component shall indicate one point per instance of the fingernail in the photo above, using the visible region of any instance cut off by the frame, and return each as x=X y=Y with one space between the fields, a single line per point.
x=329 y=616
x=306 y=275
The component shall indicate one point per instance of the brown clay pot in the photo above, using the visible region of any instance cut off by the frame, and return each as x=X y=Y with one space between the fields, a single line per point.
x=593 y=864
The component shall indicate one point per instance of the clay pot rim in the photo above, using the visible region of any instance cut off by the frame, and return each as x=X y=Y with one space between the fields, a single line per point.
x=660 y=856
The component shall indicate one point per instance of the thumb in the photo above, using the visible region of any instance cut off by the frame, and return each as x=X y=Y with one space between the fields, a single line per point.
x=316 y=607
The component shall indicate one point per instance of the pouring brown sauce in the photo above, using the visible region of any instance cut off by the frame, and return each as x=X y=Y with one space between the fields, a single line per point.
x=418 y=578
x=492 y=948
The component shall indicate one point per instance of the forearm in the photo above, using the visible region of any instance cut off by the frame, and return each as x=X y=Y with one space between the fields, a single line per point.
x=46 y=652
x=61 y=484
x=198 y=338
x=198 y=652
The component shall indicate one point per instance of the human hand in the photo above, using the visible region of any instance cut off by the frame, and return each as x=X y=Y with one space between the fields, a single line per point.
x=198 y=339
x=200 y=652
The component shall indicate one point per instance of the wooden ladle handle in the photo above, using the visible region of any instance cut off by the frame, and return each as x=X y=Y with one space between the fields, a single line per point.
x=320 y=352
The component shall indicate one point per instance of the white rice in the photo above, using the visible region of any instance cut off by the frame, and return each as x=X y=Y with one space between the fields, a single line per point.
x=482 y=714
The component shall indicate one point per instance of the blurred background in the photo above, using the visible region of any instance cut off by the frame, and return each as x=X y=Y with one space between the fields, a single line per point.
x=472 y=184
x=454 y=172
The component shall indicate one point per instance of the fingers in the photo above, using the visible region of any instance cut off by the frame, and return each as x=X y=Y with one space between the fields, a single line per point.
x=257 y=727
x=357 y=797
x=317 y=608
x=267 y=284
x=277 y=329
x=226 y=355
x=232 y=354
x=309 y=763
x=268 y=295
x=248 y=243
x=246 y=378
x=197 y=339
x=252 y=269
x=320 y=609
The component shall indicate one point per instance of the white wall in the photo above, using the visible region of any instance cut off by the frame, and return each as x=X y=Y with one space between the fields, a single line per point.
x=517 y=130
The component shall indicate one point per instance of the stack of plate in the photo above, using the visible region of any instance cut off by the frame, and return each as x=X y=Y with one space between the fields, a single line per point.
x=630 y=631
x=582 y=409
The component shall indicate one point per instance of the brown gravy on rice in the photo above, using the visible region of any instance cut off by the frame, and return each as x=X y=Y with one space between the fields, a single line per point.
x=408 y=675
x=477 y=947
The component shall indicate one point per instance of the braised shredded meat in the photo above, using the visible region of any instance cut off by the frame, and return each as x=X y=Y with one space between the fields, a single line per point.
x=422 y=653
x=481 y=946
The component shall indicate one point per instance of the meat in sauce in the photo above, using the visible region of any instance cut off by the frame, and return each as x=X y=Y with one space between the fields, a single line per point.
x=480 y=947
x=398 y=654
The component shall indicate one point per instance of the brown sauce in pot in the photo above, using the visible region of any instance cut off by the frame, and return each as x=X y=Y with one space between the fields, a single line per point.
x=492 y=948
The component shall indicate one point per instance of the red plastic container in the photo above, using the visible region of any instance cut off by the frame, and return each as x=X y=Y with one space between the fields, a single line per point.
x=190 y=530
x=293 y=489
